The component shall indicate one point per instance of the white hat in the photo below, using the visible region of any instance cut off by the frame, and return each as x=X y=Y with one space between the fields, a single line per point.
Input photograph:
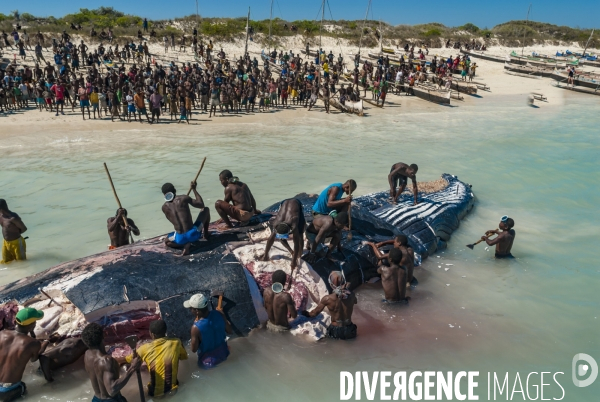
x=198 y=301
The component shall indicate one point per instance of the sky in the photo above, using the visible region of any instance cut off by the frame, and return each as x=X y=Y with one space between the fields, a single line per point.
x=582 y=14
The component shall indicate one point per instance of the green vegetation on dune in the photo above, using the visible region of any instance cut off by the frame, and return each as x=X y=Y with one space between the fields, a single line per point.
x=125 y=26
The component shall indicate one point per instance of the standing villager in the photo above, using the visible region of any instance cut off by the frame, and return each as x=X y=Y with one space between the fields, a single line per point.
x=209 y=332
x=13 y=245
x=103 y=369
x=118 y=232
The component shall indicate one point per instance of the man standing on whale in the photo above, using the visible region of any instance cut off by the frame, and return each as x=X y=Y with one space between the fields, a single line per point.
x=177 y=210
x=399 y=174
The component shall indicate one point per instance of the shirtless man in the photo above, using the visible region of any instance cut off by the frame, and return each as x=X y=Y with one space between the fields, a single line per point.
x=322 y=227
x=340 y=304
x=13 y=246
x=243 y=205
x=103 y=369
x=393 y=278
x=61 y=355
x=400 y=242
x=118 y=232
x=504 y=240
x=289 y=220
x=17 y=349
x=177 y=210
x=399 y=174
x=279 y=304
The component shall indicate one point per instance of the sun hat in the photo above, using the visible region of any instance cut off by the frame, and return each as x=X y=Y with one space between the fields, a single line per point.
x=198 y=301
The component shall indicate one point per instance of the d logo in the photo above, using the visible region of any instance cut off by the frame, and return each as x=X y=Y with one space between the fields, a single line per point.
x=583 y=368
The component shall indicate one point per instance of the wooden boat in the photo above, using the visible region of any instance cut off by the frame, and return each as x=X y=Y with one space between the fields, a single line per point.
x=485 y=56
x=580 y=80
x=528 y=70
x=537 y=61
x=428 y=94
x=584 y=90
x=348 y=107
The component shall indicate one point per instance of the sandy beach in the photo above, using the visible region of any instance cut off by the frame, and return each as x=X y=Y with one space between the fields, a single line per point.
x=501 y=84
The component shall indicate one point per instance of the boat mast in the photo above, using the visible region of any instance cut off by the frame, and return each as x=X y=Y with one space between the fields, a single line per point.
x=247 y=32
x=525 y=33
x=587 y=43
x=270 y=24
x=321 y=29
x=380 y=38
x=196 y=14
x=363 y=28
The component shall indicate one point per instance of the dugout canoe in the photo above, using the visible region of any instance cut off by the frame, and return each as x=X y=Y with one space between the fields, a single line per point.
x=428 y=94
x=528 y=70
x=126 y=288
x=485 y=56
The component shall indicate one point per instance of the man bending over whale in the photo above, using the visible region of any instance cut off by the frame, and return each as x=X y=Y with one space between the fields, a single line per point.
x=177 y=210
x=399 y=242
x=340 y=304
x=289 y=221
x=398 y=176
x=243 y=205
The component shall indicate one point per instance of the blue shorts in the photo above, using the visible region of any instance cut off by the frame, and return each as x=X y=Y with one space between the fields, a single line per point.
x=131 y=109
x=182 y=239
x=84 y=103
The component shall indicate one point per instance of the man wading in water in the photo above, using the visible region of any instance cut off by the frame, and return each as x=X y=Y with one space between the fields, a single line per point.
x=103 y=369
x=17 y=349
x=289 y=221
x=340 y=304
x=399 y=174
x=400 y=243
x=243 y=205
x=209 y=332
x=119 y=234
x=13 y=246
x=176 y=209
x=279 y=304
x=505 y=238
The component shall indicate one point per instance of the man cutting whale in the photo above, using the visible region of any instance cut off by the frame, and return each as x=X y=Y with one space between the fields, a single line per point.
x=177 y=210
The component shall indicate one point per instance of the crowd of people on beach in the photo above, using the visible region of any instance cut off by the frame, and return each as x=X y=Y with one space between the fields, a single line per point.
x=126 y=82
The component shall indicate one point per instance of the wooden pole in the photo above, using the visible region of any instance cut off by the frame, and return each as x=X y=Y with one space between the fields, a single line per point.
x=198 y=174
x=117 y=198
x=350 y=219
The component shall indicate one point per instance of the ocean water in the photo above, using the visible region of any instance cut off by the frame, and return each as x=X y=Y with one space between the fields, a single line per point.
x=531 y=314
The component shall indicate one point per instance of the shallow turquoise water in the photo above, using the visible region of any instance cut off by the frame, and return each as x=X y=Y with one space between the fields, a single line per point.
x=540 y=166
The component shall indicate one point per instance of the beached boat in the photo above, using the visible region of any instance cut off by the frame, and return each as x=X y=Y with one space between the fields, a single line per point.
x=485 y=56
x=428 y=94
x=585 y=90
x=126 y=288
x=580 y=80
x=540 y=62
x=348 y=106
x=528 y=70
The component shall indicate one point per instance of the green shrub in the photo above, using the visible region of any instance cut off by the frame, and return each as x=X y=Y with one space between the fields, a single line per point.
x=128 y=21
x=27 y=17
x=432 y=32
x=469 y=28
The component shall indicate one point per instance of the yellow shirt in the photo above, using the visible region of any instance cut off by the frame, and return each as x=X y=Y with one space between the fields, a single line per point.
x=93 y=97
x=162 y=358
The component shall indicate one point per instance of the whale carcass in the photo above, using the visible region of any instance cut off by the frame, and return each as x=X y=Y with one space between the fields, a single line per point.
x=125 y=289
